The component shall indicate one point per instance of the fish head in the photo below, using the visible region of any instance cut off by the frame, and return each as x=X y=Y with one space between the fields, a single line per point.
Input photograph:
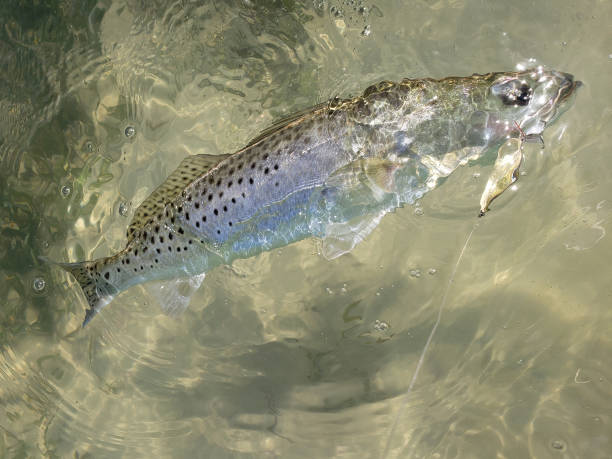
x=532 y=98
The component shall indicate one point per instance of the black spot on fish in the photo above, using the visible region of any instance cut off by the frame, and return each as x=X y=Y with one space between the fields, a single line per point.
x=156 y=260
x=106 y=275
x=178 y=249
x=266 y=170
x=197 y=224
x=219 y=182
x=276 y=167
x=239 y=180
x=224 y=208
x=127 y=261
x=234 y=200
x=136 y=252
x=218 y=231
x=118 y=270
x=170 y=236
x=230 y=223
x=265 y=156
x=276 y=184
x=253 y=166
x=210 y=197
x=221 y=194
x=251 y=180
x=158 y=250
x=204 y=218
x=243 y=195
x=180 y=230
x=161 y=240
x=169 y=248
x=229 y=184
x=152 y=239
x=216 y=212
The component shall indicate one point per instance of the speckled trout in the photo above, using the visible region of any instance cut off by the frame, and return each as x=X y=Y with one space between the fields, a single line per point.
x=329 y=172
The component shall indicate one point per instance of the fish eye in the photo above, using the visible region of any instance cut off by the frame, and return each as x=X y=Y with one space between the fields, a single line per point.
x=513 y=92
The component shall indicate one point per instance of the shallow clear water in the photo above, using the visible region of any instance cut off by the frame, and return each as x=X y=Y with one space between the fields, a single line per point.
x=287 y=354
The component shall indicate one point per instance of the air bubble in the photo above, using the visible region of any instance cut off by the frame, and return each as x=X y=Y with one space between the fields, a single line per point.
x=418 y=211
x=381 y=326
x=38 y=284
x=123 y=209
x=432 y=271
x=366 y=31
x=415 y=273
x=329 y=290
x=89 y=146
x=66 y=190
x=476 y=175
x=130 y=131
x=558 y=445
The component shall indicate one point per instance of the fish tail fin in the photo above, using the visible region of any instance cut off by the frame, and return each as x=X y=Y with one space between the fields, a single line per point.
x=98 y=292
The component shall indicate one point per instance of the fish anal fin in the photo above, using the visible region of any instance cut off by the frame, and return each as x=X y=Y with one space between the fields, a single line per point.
x=188 y=170
x=174 y=295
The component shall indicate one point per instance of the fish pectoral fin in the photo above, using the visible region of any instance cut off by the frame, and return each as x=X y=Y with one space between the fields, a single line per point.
x=174 y=295
x=381 y=174
x=341 y=238
x=505 y=172
x=374 y=177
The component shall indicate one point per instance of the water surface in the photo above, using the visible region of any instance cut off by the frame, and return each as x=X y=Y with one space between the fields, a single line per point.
x=287 y=354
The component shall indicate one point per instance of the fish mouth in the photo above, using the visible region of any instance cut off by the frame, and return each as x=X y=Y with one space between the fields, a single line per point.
x=567 y=87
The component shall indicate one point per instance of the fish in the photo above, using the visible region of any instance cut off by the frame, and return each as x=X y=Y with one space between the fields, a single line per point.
x=330 y=172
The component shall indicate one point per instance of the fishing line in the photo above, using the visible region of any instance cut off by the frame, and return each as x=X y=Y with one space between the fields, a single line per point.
x=404 y=399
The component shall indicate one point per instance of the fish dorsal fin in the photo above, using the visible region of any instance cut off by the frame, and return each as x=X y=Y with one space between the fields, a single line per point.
x=284 y=122
x=190 y=169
